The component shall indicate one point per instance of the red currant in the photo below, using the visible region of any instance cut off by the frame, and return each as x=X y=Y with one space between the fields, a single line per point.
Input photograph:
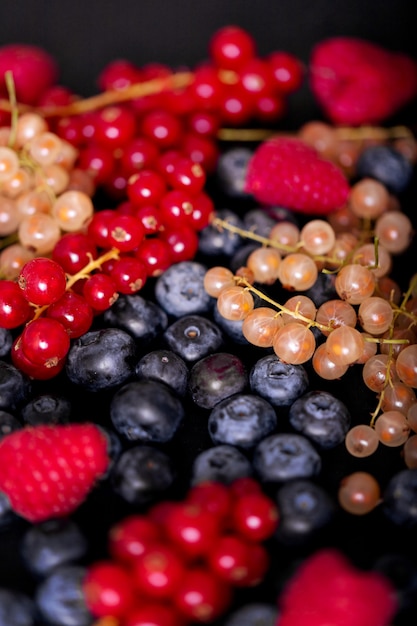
x=42 y=281
x=45 y=341
x=129 y=538
x=146 y=187
x=73 y=312
x=158 y=572
x=129 y=274
x=255 y=516
x=163 y=128
x=202 y=596
x=231 y=47
x=287 y=70
x=156 y=254
x=108 y=590
x=74 y=251
x=15 y=310
x=125 y=232
x=192 y=528
x=100 y=291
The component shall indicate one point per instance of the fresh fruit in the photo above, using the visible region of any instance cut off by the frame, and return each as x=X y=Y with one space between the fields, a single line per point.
x=33 y=69
x=69 y=459
x=327 y=588
x=359 y=82
x=286 y=172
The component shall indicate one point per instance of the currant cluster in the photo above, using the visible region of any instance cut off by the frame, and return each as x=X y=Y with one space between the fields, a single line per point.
x=42 y=193
x=370 y=322
x=179 y=562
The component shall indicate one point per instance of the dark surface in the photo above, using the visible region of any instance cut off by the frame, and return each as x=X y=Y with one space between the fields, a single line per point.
x=83 y=37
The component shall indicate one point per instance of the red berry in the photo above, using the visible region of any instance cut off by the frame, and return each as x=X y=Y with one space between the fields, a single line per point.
x=34 y=370
x=108 y=589
x=146 y=187
x=150 y=614
x=192 y=528
x=45 y=341
x=74 y=251
x=255 y=516
x=187 y=175
x=33 y=69
x=256 y=78
x=182 y=241
x=207 y=88
x=156 y=254
x=176 y=208
x=359 y=82
x=129 y=274
x=138 y=154
x=203 y=211
x=15 y=310
x=163 y=128
x=287 y=71
x=48 y=471
x=125 y=232
x=244 y=486
x=150 y=218
x=100 y=292
x=73 y=312
x=213 y=496
x=202 y=596
x=237 y=106
x=158 y=572
x=118 y=75
x=286 y=172
x=98 y=227
x=42 y=281
x=129 y=538
x=115 y=127
x=269 y=108
x=231 y=47
x=98 y=161
x=259 y=562
x=230 y=559
x=201 y=150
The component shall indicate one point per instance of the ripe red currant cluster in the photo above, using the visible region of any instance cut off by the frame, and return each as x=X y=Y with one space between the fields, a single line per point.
x=370 y=322
x=182 y=559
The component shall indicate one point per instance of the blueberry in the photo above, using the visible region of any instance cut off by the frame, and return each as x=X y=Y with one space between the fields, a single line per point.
x=222 y=463
x=6 y=341
x=278 y=382
x=285 y=456
x=102 y=359
x=231 y=171
x=180 y=290
x=193 y=337
x=146 y=410
x=400 y=498
x=322 y=417
x=401 y=570
x=8 y=424
x=215 y=378
x=214 y=241
x=15 y=387
x=16 y=608
x=142 y=474
x=46 y=409
x=231 y=328
x=258 y=221
x=254 y=614
x=143 y=319
x=242 y=420
x=304 y=508
x=51 y=544
x=387 y=165
x=60 y=597
x=164 y=366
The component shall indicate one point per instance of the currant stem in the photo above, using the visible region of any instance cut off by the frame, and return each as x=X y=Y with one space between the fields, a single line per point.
x=93 y=265
x=11 y=89
x=242 y=282
x=248 y=234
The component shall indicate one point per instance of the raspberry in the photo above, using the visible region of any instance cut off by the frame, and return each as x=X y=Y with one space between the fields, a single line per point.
x=328 y=589
x=358 y=82
x=286 y=172
x=47 y=471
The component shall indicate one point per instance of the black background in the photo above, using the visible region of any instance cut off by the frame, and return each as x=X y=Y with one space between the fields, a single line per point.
x=84 y=36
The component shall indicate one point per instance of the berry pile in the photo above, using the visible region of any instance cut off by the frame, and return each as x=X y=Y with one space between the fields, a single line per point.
x=193 y=398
